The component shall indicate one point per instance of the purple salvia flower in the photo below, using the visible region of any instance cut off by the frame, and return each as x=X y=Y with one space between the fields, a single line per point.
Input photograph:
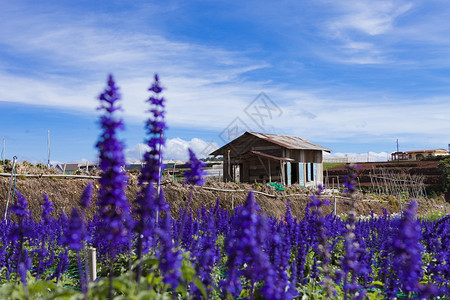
x=23 y=277
x=279 y=249
x=314 y=269
x=145 y=225
x=407 y=250
x=244 y=246
x=290 y=223
x=322 y=246
x=150 y=202
x=194 y=176
x=439 y=240
x=74 y=238
x=73 y=235
x=63 y=222
x=292 y=292
x=205 y=253
x=351 y=262
x=85 y=199
x=196 y=172
x=155 y=127
x=169 y=257
x=20 y=207
x=114 y=209
x=350 y=178
x=160 y=201
x=63 y=263
x=47 y=208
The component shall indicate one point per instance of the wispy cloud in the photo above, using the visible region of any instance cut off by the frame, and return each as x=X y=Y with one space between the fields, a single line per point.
x=175 y=149
x=61 y=59
x=198 y=74
x=347 y=117
x=356 y=27
x=367 y=17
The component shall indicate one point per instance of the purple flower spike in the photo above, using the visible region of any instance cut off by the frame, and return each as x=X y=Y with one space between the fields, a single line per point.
x=407 y=249
x=86 y=196
x=350 y=178
x=47 y=208
x=245 y=254
x=23 y=277
x=170 y=259
x=20 y=207
x=114 y=209
x=155 y=127
x=150 y=202
x=73 y=236
x=196 y=172
x=110 y=96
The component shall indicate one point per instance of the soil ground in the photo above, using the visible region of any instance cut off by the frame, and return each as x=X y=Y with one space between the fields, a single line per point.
x=65 y=194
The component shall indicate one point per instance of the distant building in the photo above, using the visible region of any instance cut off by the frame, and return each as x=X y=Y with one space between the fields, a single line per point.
x=418 y=154
x=260 y=157
x=74 y=167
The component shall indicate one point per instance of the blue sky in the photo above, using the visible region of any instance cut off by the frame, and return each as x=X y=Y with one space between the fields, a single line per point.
x=353 y=76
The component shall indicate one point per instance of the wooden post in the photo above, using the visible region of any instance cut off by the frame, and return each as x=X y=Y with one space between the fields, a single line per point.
x=229 y=166
x=334 y=205
x=270 y=174
x=443 y=203
x=288 y=173
x=92 y=261
x=232 y=201
x=173 y=171
x=282 y=173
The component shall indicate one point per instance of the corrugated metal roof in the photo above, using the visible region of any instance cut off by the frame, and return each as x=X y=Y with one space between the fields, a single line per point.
x=271 y=156
x=289 y=142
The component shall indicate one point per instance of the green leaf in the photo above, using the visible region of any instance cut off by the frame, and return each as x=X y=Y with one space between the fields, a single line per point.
x=201 y=287
x=187 y=271
x=377 y=283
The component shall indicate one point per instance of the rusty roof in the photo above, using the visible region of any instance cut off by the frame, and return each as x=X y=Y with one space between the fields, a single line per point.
x=289 y=142
x=270 y=156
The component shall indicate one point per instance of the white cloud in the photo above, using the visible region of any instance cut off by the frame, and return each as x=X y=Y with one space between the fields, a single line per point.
x=175 y=149
x=198 y=74
x=369 y=17
x=204 y=83
x=359 y=29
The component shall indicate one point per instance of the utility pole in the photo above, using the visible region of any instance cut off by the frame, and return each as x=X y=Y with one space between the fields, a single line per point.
x=3 y=151
x=140 y=155
x=48 y=148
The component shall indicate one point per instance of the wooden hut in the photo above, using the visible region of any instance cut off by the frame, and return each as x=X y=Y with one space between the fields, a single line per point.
x=261 y=157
